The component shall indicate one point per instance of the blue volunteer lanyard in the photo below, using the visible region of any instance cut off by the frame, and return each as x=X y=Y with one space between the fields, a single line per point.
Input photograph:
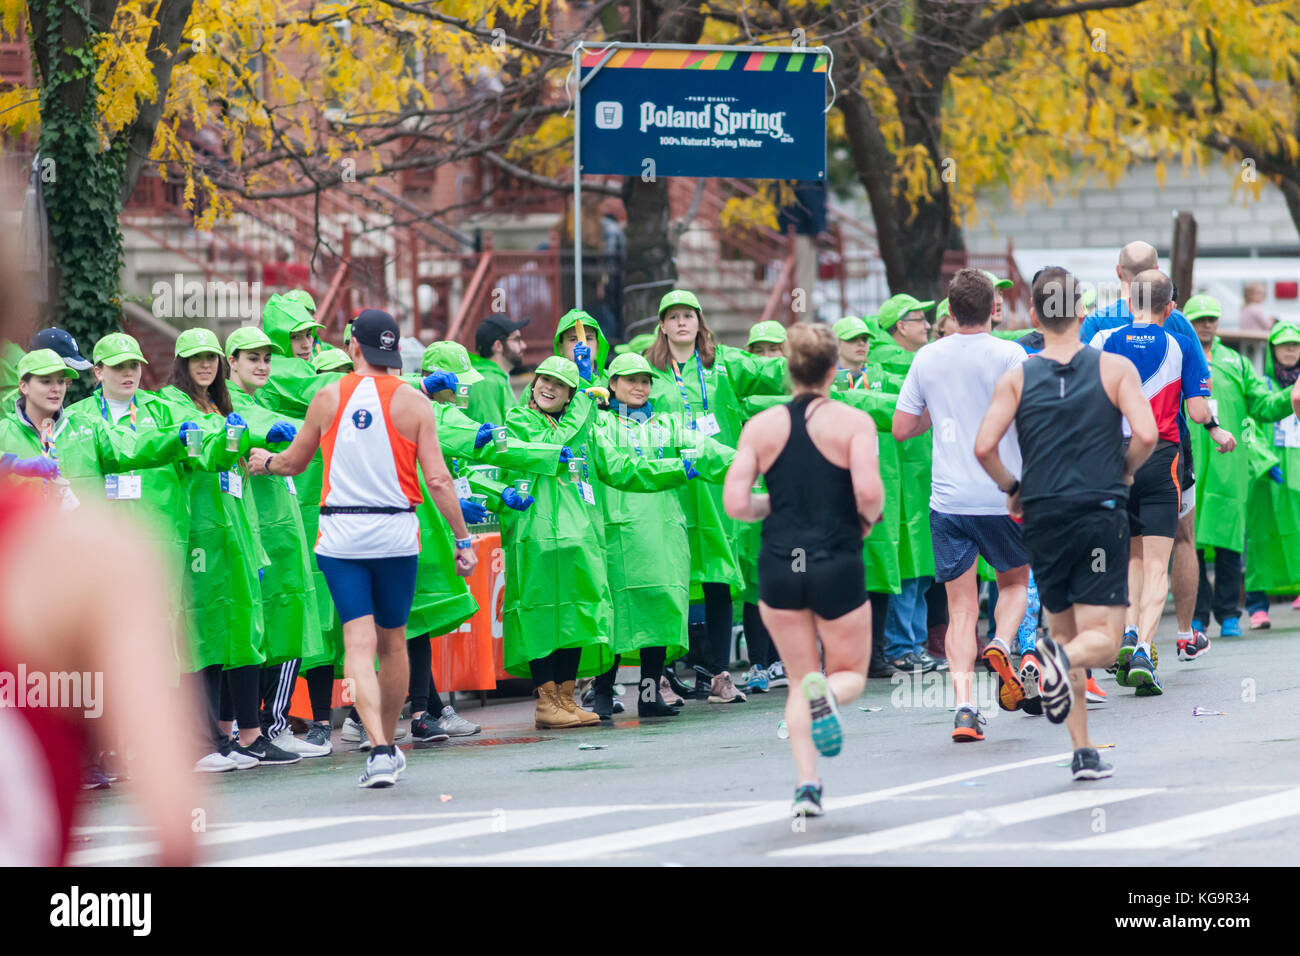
x=633 y=430
x=103 y=409
x=686 y=397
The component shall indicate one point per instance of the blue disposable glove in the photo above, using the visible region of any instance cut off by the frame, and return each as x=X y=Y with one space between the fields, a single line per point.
x=483 y=435
x=260 y=573
x=234 y=419
x=39 y=467
x=689 y=469
x=510 y=497
x=472 y=511
x=187 y=430
x=566 y=454
x=582 y=359
x=1276 y=474
x=281 y=431
x=437 y=381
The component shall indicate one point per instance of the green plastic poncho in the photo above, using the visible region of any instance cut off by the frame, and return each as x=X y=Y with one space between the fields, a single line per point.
x=490 y=399
x=226 y=554
x=598 y=361
x=888 y=362
x=1223 y=481
x=1272 y=509
x=289 y=603
x=646 y=545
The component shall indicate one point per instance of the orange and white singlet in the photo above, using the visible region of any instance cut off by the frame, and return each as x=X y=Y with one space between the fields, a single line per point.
x=370 y=489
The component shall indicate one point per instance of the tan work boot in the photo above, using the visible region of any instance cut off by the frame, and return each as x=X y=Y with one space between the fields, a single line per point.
x=585 y=718
x=550 y=715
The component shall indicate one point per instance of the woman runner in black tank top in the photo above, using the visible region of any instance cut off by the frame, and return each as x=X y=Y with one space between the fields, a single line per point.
x=811 y=579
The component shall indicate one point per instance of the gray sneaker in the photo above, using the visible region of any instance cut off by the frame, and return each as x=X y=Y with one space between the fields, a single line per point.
x=318 y=735
x=401 y=760
x=454 y=725
x=381 y=771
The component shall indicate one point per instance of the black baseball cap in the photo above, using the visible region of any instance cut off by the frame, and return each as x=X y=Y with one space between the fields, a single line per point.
x=377 y=334
x=63 y=343
x=495 y=326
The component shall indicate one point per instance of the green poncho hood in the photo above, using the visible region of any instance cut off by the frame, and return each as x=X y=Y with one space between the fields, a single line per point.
x=280 y=316
x=568 y=321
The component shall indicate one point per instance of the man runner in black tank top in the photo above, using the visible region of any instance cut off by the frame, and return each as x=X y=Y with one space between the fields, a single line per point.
x=824 y=494
x=1067 y=403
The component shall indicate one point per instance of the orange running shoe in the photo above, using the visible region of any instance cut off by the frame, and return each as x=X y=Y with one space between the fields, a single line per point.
x=966 y=727
x=1095 y=695
x=1010 y=691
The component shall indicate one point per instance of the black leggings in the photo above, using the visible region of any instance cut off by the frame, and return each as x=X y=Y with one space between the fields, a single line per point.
x=762 y=652
x=320 y=689
x=558 y=666
x=241 y=696
x=717 y=622
x=652 y=668
x=423 y=692
x=207 y=687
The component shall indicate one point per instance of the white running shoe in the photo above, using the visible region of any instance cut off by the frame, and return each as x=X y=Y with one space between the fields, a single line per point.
x=214 y=763
x=296 y=745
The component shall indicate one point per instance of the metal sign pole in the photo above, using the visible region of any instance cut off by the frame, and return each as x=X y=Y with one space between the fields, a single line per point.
x=577 y=176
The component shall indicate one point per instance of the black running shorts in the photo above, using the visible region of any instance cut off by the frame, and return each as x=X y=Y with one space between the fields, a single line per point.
x=830 y=584
x=1156 y=494
x=1078 y=555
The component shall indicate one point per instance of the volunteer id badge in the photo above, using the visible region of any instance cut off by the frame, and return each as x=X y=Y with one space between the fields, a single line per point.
x=707 y=425
x=588 y=495
x=1286 y=433
x=122 y=487
x=288 y=480
x=232 y=483
x=462 y=488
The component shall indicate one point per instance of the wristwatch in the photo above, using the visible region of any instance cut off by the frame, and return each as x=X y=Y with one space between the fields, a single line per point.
x=463 y=543
x=1212 y=424
x=267 y=465
x=1015 y=486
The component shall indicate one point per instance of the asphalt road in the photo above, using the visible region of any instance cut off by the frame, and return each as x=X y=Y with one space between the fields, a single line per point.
x=713 y=785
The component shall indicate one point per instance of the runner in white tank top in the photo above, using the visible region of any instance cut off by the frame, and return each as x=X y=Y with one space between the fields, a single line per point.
x=372 y=429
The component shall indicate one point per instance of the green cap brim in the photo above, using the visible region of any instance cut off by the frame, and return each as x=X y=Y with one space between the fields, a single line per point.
x=112 y=361
x=1286 y=335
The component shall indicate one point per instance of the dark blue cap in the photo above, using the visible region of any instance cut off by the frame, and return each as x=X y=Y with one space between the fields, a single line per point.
x=63 y=343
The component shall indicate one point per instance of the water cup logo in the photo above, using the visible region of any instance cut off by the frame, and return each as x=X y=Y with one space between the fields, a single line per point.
x=609 y=115
x=362 y=419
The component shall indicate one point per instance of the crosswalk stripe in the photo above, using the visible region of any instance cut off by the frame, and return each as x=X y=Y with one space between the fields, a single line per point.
x=1195 y=826
x=510 y=821
x=944 y=828
x=640 y=837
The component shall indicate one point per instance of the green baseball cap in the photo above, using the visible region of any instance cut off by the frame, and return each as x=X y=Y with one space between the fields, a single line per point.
x=679 y=297
x=897 y=306
x=941 y=310
x=1089 y=298
x=450 y=357
x=1284 y=333
x=769 y=331
x=1202 y=307
x=117 y=348
x=196 y=341
x=998 y=283
x=44 y=362
x=630 y=363
x=302 y=297
x=560 y=369
x=250 y=338
x=330 y=359
x=850 y=327
x=637 y=344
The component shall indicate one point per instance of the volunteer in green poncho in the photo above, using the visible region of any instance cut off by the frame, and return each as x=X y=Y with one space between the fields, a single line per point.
x=500 y=348
x=647 y=553
x=766 y=340
x=330 y=359
x=1245 y=406
x=289 y=603
x=226 y=554
x=904 y=329
x=854 y=339
x=558 y=616
x=703 y=383
x=1272 y=506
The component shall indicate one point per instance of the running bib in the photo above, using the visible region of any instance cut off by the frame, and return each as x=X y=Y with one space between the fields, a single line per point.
x=122 y=487
x=292 y=490
x=707 y=425
x=232 y=483
x=1286 y=433
x=588 y=495
x=462 y=488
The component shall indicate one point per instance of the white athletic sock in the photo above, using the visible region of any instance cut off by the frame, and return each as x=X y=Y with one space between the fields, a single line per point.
x=1144 y=646
x=1184 y=635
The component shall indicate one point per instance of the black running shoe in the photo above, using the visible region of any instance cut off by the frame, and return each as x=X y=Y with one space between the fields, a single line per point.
x=1088 y=765
x=807 y=801
x=426 y=730
x=1191 y=650
x=1054 y=677
x=267 y=753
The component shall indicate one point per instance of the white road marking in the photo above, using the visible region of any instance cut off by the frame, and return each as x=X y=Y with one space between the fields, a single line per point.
x=622 y=841
x=947 y=827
